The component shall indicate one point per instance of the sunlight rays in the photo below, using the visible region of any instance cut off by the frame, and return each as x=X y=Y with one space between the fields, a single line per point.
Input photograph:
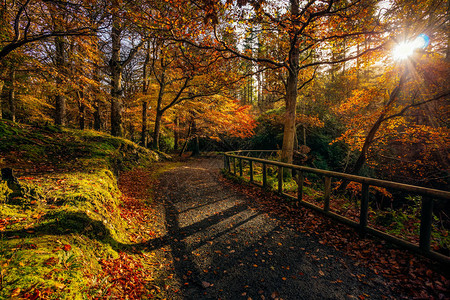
x=406 y=49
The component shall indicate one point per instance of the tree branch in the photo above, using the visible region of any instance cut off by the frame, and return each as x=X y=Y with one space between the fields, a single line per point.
x=406 y=108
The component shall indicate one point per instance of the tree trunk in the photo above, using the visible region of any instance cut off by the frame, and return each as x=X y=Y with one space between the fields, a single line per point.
x=159 y=112
x=82 y=121
x=144 y=124
x=289 y=124
x=447 y=56
x=145 y=85
x=176 y=134
x=97 y=116
x=60 y=99
x=116 y=80
x=11 y=95
x=291 y=89
x=81 y=111
x=373 y=130
x=196 y=150
x=2 y=83
x=60 y=110
x=157 y=130
x=187 y=140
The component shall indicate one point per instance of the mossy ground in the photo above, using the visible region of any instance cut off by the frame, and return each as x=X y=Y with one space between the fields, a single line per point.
x=60 y=243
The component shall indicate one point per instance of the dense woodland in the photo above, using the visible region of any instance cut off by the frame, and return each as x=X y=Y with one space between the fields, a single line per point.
x=327 y=81
x=355 y=86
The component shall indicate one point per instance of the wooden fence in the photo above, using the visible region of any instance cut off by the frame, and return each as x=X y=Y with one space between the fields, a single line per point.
x=429 y=196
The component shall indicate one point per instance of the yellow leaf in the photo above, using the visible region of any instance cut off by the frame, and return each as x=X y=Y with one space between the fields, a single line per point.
x=59 y=285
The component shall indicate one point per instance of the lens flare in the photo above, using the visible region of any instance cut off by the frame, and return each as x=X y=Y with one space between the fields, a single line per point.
x=406 y=49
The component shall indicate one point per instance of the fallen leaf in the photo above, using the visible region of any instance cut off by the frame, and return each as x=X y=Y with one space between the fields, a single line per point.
x=60 y=285
x=15 y=292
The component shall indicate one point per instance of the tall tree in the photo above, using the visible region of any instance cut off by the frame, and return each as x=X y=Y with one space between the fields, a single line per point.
x=60 y=97
x=117 y=64
x=145 y=89
x=185 y=73
x=300 y=28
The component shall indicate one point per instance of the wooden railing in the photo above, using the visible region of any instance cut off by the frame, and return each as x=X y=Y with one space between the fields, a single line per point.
x=233 y=163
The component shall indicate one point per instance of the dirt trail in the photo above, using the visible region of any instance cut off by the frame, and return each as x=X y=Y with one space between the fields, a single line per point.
x=223 y=249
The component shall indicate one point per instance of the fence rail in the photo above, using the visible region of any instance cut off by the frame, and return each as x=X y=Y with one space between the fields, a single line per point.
x=429 y=196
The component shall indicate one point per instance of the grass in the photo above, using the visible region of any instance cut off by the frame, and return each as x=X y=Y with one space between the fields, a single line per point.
x=67 y=221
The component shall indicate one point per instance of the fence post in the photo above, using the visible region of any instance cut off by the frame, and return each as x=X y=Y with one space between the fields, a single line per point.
x=327 y=193
x=426 y=219
x=264 y=170
x=240 y=167
x=280 y=180
x=234 y=165
x=300 y=182
x=363 y=215
x=251 y=170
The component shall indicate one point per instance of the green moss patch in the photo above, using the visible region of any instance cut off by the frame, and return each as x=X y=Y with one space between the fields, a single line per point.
x=55 y=236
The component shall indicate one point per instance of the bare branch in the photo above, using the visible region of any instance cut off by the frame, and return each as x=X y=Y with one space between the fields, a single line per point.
x=406 y=108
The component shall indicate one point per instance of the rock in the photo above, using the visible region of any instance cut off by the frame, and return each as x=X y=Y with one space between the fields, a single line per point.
x=11 y=181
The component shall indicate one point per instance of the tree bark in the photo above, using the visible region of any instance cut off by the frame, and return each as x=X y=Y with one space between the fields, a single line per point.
x=196 y=150
x=144 y=124
x=81 y=111
x=447 y=55
x=157 y=130
x=97 y=116
x=145 y=85
x=2 y=83
x=97 y=103
x=82 y=122
x=60 y=99
x=187 y=140
x=12 y=95
x=116 y=79
x=176 y=134
x=159 y=112
x=291 y=89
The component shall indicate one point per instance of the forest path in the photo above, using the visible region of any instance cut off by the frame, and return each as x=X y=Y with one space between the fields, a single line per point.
x=225 y=249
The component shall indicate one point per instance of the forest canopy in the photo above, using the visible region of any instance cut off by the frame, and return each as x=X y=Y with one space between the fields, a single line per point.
x=362 y=84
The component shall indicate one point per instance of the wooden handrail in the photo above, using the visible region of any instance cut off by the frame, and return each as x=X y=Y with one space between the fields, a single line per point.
x=427 y=202
x=361 y=179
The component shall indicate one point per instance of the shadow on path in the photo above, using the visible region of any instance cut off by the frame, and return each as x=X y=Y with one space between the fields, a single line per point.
x=223 y=249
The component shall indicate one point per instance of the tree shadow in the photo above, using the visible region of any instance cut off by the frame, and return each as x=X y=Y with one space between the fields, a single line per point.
x=238 y=260
x=68 y=222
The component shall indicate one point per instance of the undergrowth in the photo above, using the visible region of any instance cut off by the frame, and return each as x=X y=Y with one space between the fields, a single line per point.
x=402 y=221
x=66 y=221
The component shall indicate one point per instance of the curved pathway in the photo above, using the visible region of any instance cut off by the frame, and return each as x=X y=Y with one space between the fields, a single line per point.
x=223 y=249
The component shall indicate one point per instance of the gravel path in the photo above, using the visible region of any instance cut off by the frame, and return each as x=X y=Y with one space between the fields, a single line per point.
x=223 y=249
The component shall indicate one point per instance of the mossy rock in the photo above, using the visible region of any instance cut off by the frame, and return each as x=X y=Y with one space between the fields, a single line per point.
x=28 y=196
x=5 y=191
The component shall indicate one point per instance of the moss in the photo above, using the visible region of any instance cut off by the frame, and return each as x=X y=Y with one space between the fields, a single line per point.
x=75 y=204
x=41 y=263
x=5 y=192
